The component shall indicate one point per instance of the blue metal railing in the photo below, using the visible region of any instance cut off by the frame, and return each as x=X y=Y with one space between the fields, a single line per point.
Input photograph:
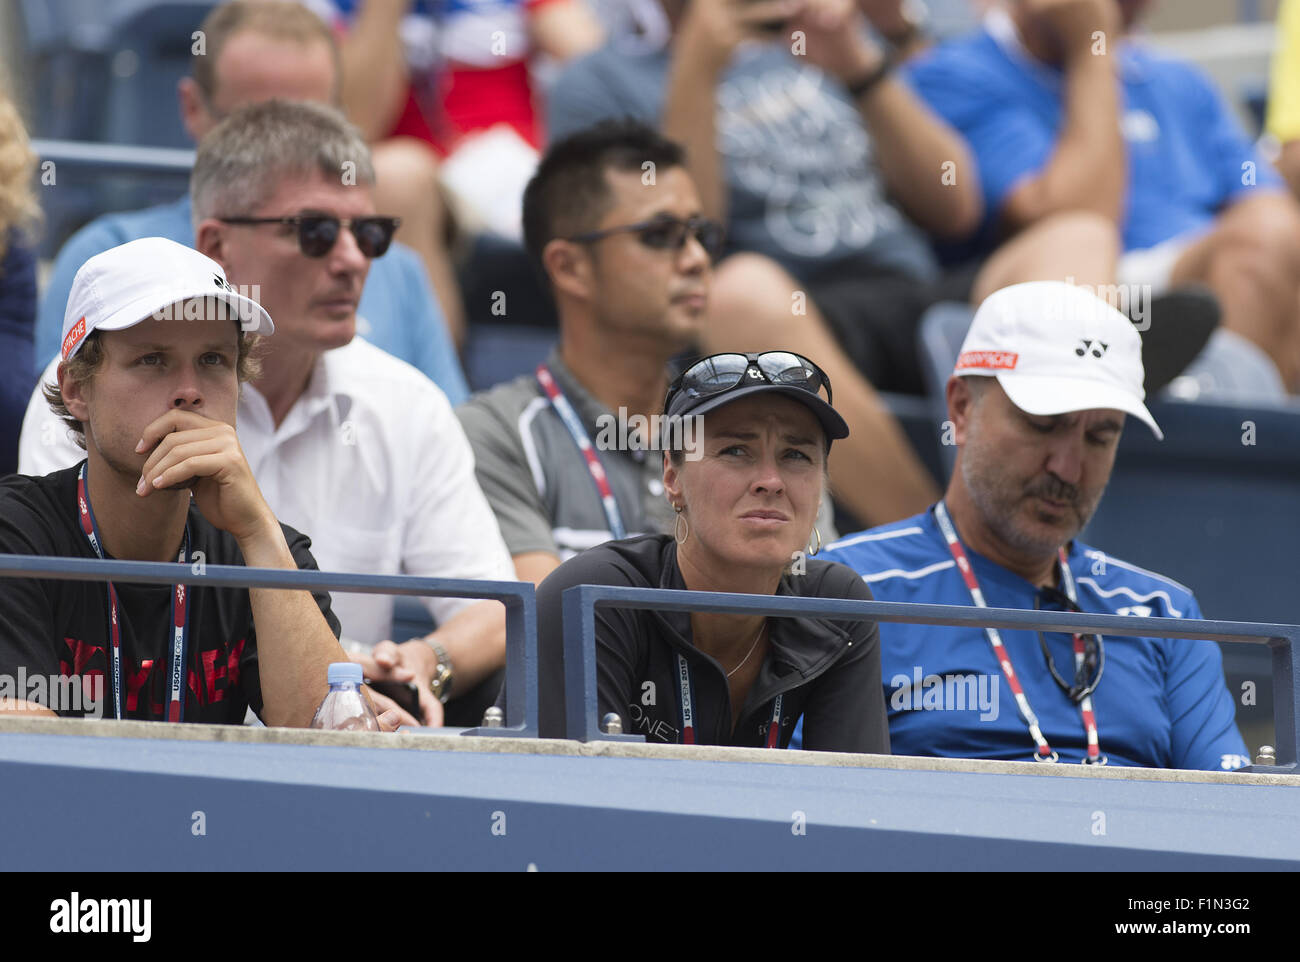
x=580 y=604
x=115 y=157
x=518 y=597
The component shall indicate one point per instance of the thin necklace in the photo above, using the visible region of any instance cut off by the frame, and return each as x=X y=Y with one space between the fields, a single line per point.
x=761 y=626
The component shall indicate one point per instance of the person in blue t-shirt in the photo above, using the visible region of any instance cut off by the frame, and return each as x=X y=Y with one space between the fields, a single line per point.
x=1102 y=160
x=255 y=52
x=1037 y=402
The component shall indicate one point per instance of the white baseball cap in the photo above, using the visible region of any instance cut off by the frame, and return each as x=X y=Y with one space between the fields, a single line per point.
x=1057 y=348
x=142 y=279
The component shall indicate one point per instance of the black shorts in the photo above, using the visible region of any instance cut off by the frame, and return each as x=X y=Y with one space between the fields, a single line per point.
x=875 y=312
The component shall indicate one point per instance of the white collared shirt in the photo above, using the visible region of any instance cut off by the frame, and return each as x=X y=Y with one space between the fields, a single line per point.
x=370 y=463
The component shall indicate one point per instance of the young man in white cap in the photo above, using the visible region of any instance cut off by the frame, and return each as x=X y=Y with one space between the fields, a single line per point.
x=155 y=345
x=1037 y=401
x=347 y=442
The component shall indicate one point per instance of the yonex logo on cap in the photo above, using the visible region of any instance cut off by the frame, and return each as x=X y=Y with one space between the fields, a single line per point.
x=1095 y=348
x=989 y=360
x=74 y=337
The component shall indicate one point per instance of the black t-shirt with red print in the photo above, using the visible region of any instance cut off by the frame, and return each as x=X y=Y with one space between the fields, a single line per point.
x=61 y=628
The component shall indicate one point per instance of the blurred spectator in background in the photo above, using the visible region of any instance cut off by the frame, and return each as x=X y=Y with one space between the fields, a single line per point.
x=629 y=266
x=1149 y=181
x=450 y=79
x=19 y=213
x=1284 y=93
x=346 y=442
x=1038 y=397
x=255 y=51
x=803 y=147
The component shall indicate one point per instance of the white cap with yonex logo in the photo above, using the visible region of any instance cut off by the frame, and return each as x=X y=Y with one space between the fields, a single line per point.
x=1057 y=348
x=144 y=278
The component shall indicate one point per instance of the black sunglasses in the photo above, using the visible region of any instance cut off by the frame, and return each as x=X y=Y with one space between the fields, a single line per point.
x=666 y=233
x=317 y=233
x=1087 y=676
x=725 y=372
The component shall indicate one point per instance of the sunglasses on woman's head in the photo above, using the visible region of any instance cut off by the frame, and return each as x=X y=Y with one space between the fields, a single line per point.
x=317 y=233
x=665 y=233
x=724 y=372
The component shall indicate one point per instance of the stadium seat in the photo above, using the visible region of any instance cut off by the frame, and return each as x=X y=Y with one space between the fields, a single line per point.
x=500 y=352
x=65 y=43
x=150 y=44
x=410 y=618
x=107 y=72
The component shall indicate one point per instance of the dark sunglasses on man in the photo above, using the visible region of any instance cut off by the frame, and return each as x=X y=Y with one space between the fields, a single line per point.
x=665 y=233
x=317 y=233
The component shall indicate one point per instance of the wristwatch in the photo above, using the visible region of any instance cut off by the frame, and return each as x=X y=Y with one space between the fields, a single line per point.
x=440 y=683
x=862 y=85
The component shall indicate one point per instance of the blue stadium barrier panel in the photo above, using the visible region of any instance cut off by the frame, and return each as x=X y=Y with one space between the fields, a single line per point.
x=580 y=603
x=283 y=799
x=519 y=598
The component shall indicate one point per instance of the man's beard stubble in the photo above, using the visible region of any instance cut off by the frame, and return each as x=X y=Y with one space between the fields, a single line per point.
x=999 y=499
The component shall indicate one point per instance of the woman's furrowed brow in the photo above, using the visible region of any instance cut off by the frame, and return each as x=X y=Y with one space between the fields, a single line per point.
x=798 y=439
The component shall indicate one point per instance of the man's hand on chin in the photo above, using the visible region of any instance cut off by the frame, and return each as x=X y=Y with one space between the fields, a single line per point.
x=199 y=453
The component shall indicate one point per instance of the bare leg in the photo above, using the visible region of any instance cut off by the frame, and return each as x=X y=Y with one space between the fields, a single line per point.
x=1252 y=262
x=407 y=185
x=1077 y=244
x=874 y=471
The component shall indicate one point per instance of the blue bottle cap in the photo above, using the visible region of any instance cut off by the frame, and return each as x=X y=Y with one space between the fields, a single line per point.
x=341 y=672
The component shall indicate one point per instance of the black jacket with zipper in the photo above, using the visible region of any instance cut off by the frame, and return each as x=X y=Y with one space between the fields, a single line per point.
x=828 y=671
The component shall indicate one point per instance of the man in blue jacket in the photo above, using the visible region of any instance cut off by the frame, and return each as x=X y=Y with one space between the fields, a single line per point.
x=1037 y=402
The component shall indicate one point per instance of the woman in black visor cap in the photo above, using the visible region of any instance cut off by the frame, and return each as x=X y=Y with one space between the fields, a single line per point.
x=746 y=438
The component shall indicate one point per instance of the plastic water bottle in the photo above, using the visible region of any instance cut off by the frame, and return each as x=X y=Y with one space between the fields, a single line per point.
x=345 y=708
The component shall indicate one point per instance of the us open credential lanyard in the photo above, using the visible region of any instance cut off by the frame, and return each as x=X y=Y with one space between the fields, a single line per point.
x=564 y=409
x=180 y=617
x=1044 y=753
x=688 y=708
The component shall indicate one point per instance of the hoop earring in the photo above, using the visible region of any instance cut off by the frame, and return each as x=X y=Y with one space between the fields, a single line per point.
x=677 y=525
x=811 y=549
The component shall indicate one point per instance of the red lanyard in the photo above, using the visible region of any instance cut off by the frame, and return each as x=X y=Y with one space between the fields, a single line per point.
x=688 y=708
x=1044 y=752
x=579 y=434
x=180 y=616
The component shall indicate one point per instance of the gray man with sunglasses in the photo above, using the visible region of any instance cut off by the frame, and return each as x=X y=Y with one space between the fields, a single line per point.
x=353 y=447
x=628 y=261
